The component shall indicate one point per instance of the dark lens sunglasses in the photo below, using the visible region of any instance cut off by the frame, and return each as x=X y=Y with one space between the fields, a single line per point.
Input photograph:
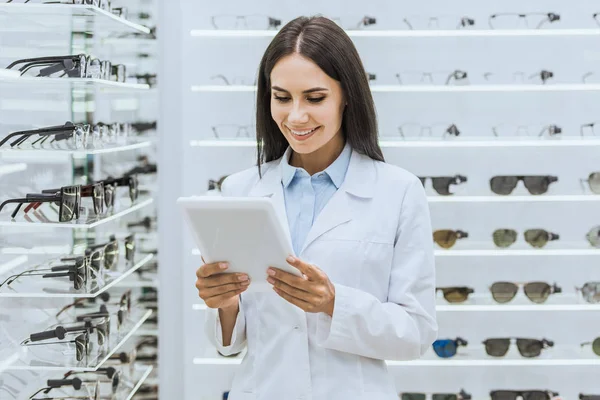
x=96 y=191
x=505 y=185
x=441 y=184
x=538 y=292
x=522 y=394
x=455 y=294
x=537 y=238
x=446 y=238
x=462 y=395
x=67 y=198
x=446 y=348
x=498 y=347
x=595 y=345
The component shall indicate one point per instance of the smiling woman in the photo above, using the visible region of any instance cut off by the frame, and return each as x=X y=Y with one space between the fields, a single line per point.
x=360 y=230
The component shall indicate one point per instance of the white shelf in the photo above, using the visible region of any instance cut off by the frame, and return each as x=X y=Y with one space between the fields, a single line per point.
x=45 y=83
x=91 y=223
x=74 y=17
x=12 y=168
x=511 y=308
x=387 y=143
x=411 y=33
x=15 y=153
x=563 y=87
x=512 y=199
x=36 y=292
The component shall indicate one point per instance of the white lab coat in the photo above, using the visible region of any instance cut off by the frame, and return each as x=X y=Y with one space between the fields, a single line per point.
x=374 y=241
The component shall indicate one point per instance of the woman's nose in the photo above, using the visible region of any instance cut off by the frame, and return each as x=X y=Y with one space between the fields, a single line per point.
x=298 y=115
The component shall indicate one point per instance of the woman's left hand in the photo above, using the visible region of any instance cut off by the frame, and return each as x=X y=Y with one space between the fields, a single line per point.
x=313 y=292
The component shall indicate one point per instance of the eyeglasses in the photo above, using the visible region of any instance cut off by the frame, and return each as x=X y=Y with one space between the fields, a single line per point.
x=260 y=22
x=589 y=396
x=74 y=136
x=535 y=184
x=233 y=131
x=77 y=273
x=236 y=80
x=593 y=236
x=436 y=396
x=456 y=77
x=446 y=238
x=130 y=181
x=216 y=185
x=590 y=292
x=442 y=130
x=123 y=310
x=67 y=198
x=522 y=394
x=593 y=182
x=364 y=22
x=595 y=345
x=114 y=376
x=522 y=20
x=441 y=184
x=537 y=292
x=446 y=348
x=590 y=77
x=537 y=238
x=498 y=347
x=518 y=77
x=100 y=195
x=443 y=22
x=526 y=130
x=102 y=329
x=590 y=128
x=72 y=66
x=455 y=294
x=82 y=345
x=76 y=383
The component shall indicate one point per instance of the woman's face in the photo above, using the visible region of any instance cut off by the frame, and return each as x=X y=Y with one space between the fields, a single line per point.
x=306 y=104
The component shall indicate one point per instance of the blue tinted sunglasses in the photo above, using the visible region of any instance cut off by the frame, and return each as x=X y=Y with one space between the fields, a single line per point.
x=446 y=348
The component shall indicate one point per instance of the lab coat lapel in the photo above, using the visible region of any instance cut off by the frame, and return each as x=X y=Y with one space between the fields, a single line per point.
x=340 y=209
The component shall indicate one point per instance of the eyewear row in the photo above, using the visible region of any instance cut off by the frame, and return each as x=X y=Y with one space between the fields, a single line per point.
x=86 y=272
x=70 y=136
x=71 y=66
x=68 y=198
x=462 y=395
x=105 y=5
x=506 y=20
x=496 y=395
x=498 y=347
x=504 y=238
x=537 y=292
x=445 y=130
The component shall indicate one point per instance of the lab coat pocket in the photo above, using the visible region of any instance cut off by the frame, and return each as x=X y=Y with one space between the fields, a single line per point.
x=339 y=258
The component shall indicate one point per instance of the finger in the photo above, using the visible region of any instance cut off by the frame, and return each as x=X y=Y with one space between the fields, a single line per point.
x=310 y=270
x=222 y=297
x=207 y=293
x=288 y=278
x=207 y=270
x=291 y=299
x=223 y=279
x=292 y=291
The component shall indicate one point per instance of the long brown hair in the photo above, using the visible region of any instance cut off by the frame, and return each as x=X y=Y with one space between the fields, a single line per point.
x=327 y=45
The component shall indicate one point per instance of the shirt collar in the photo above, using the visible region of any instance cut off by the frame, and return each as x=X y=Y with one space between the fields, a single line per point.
x=336 y=171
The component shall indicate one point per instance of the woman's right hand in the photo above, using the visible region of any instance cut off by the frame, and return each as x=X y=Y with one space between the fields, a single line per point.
x=219 y=289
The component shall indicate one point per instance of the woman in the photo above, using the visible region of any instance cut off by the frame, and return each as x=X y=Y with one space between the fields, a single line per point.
x=360 y=228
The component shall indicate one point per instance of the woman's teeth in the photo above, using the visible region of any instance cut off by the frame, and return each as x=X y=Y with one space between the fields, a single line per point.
x=303 y=133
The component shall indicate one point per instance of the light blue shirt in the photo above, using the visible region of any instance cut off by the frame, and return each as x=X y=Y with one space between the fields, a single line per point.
x=305 y=196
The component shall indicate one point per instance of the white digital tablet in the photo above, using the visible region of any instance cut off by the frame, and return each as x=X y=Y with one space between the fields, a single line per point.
x=244 y=231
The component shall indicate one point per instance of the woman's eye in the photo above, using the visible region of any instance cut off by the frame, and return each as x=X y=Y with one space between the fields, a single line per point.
x=316 y=99
x=282 y=99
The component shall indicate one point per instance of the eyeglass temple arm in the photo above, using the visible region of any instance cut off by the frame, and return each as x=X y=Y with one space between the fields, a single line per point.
x=40 y=59
x=462 y=395
x=556 y=288
x=53 y=66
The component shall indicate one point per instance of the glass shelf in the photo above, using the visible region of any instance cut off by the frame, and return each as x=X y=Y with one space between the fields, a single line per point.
x=15 y=153
x=141 y=374
x=149 y=280
x=44 y=84
x=90 y=222
x=61 y=17
x=513 y=199
x=40 y=358
x=47 y=288
x=574 y=87
x=12 y=168
x=410 y=33
x=457 y=142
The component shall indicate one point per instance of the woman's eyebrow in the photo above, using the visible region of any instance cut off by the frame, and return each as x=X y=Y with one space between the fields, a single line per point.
x=316 y=89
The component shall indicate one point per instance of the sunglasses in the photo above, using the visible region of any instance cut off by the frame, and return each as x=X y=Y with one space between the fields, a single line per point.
x=67 y=198
x=441 y=184
x=537 y=238
x=455 y=294
x=593 y=182
x=436 y=396
x=593 y=236
x=129 y=181
x=82 y=345
x=446 y=348
x=77 y=273
x=522 y=395
x=114 y=377
x=498 y=347
x=101 y=195
x=102 y=329
x=595 y=345
x=537 y=292
x=505 y=185
x=446 y=238
x=589 y=396
x=590 y=292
